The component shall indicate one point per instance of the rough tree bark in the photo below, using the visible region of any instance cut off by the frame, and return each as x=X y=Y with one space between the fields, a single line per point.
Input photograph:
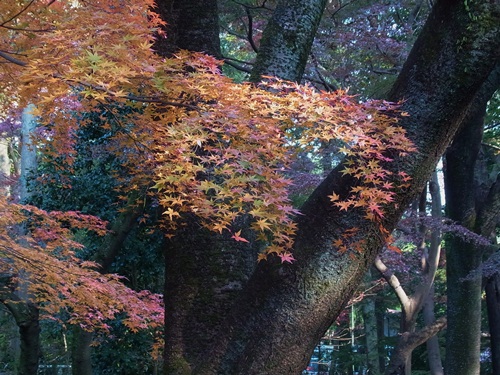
x=283 y=310
x=287 y=39
x=464 y=257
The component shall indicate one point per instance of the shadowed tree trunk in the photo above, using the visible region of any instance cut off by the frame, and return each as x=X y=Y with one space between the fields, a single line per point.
x=371 y=332
x=433 y=349
x=273 y=324
x=493 y=305
x=81 y=352
x=408 y=341
x=464 y=256
x=191 y=25
x=26 y=317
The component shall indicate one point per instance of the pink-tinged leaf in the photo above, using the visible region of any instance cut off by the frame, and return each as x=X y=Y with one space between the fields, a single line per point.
x=287 y=257
x=237 y=237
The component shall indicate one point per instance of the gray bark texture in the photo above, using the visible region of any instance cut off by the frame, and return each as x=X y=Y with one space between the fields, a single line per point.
x=287 y=39
x=271 y=323
x=28 y=154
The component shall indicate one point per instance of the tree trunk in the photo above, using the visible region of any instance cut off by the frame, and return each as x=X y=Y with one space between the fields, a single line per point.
x=81 y=355
x=463 y=256
x=275 y=322
x=24 y=312
x=191 y=25
x=204 y=274
x=285 y=309
x=493 y=306
x=28 y=154
x=26 y=317
x=371 y=334
x=412 y=305
x=433 y=350
x=409 y=341
x=4 y=166
x=287 y=39
x=104 y=256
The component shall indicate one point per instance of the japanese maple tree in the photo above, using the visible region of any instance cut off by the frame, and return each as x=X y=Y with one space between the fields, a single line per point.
x=198 y=143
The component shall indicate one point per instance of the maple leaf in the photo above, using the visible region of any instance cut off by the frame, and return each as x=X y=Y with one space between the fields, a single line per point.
x=263 y=224
x=334 y=197
x=338 y=242
x=236 y=236
x=374 y=207
x=286 y=257
x=171 y=213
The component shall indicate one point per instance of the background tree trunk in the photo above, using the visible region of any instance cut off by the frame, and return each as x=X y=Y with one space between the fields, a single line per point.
x=26 y=317
x=287 y=39
x=371 y=333
x=464 y=256
x=493 y=305
x=81 y=358
x=433 y=349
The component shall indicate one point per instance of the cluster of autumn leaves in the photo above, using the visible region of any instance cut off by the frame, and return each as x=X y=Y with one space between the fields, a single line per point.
x=199 y=143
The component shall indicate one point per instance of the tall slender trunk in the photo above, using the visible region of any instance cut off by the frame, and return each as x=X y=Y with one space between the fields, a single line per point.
x=433 y=349
x=413 y=304
x=106 y=254
x=371 y=334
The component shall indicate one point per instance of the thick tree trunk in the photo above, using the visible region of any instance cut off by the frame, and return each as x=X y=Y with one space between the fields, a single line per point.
x=287 y=39
x=204 y=274
x=464 y=257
